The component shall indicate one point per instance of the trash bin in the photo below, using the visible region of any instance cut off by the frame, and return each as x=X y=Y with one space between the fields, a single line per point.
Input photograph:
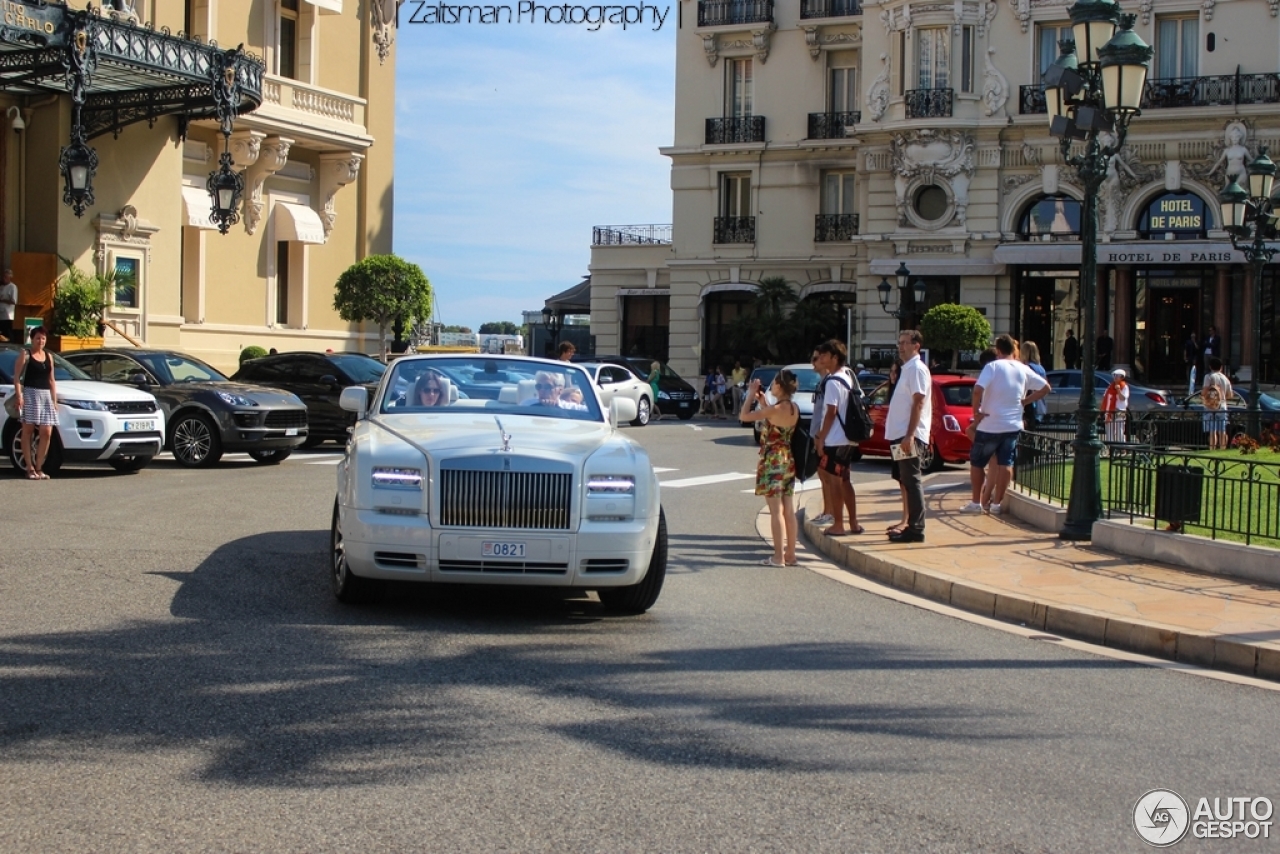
x=1179 y=493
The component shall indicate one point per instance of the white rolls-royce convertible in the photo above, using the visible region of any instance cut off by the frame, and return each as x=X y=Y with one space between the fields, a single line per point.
x=472 y=469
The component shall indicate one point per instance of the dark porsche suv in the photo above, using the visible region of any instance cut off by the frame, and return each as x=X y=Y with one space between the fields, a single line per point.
x=317 y=378
x=206 y=412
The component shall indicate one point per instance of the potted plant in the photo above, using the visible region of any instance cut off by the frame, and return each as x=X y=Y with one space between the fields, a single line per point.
x=78 y=305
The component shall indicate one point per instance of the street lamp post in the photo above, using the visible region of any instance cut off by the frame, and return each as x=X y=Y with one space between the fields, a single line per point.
x=906 y=292
x=1089 y=94
x=1249 y=217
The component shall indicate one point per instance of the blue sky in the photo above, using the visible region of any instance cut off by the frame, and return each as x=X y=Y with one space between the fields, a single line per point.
x=512 y=141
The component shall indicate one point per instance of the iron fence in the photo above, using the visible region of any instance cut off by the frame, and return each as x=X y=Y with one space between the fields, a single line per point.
x=928 y=103
x=715 y=13
x=832 y=227
x=829 y=8
x=622 y=235
x=733 y=129
x=734 y=229
x=832 y=125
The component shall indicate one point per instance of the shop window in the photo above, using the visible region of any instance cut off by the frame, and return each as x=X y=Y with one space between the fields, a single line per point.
x=1050 y=217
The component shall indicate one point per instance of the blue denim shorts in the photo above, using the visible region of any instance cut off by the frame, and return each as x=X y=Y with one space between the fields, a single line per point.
x=1003 y=446
x=1215 y=421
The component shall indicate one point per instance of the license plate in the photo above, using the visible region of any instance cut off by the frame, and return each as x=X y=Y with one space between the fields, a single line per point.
x=139 y=426
x=292 y=431
x=488 y=548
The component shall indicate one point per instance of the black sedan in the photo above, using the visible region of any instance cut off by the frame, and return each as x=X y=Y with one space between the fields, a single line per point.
x=206 y=412
x=317 y=378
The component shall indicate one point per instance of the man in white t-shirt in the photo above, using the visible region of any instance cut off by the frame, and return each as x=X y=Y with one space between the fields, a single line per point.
x=1004 y=388
x=8 y=303
x=835 y=450
x=907 y=425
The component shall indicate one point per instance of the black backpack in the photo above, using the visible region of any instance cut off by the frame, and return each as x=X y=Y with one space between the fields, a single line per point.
x=856 y=419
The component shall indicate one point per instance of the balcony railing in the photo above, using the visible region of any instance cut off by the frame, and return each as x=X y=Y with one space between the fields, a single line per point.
x=929 y=103
x=832 y=125
x=324 y=104
x=630 y=235
x=734 y=229
x=715 y=13
x=829 y=8
x=731 y=129
x=830 y=228
x=1225 y=90
x=1031 y=100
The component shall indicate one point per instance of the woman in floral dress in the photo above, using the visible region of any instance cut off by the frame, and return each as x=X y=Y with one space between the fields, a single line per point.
x=776 y=472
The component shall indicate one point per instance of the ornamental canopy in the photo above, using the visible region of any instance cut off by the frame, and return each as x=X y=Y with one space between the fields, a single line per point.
x=122 y=72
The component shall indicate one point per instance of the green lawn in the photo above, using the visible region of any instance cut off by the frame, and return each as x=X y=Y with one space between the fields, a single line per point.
x=1241 y=492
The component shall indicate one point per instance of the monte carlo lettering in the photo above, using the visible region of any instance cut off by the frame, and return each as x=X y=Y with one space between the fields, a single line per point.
x=18 y=15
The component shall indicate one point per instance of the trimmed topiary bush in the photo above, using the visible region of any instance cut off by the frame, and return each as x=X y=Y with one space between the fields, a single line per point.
x=253 y=351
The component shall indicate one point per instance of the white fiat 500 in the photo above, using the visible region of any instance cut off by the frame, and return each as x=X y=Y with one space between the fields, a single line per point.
x=496 y=470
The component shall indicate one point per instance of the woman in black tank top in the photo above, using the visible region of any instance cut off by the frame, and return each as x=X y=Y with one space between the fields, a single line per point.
x=34 y=381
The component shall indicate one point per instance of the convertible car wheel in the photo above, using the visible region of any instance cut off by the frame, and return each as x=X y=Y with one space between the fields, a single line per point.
x=639 y=598
x=644 y=411
x=347 y=586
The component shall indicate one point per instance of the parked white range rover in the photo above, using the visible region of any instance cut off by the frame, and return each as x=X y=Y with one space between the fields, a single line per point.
x=496 y=470
x=97 y=422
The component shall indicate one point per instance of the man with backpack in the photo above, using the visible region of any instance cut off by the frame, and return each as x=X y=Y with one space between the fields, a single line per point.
x=1216 y=393
x=833 y=442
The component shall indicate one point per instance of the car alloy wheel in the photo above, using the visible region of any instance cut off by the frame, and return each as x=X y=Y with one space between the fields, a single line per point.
x=644 y=411
x=18 y=454
x=195 y=443
x=347 y=586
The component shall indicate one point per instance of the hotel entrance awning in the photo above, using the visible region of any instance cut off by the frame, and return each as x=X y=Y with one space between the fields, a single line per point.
x=131 y=73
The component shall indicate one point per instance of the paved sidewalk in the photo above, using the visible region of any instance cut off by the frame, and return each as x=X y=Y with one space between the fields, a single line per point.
x=1002 y=568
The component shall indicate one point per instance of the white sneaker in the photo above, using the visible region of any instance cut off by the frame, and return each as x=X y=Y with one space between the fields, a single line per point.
x=971 y=507
x=994 y=509
x=824 y=519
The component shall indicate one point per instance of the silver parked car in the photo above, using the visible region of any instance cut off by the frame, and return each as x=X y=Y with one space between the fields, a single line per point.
x=1064 y=399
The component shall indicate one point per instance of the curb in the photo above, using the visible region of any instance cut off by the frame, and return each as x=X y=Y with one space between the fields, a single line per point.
x=1213 y=651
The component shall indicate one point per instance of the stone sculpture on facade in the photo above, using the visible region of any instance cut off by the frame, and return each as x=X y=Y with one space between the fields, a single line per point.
x=878 y=94
x=931 y=156
x=995 y=86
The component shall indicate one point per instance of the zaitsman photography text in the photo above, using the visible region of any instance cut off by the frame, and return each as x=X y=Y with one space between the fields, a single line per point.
x=528 y=12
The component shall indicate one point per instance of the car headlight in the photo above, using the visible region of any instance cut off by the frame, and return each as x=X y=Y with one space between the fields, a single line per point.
x=95 y=405
x=397 y=478
x=662 y=395
x=611 y=485
x=234 y=399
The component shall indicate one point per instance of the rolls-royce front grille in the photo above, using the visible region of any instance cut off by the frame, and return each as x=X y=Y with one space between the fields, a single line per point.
x=505 y=499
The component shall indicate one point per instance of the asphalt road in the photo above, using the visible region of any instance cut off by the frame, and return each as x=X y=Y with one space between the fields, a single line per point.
x=175 y=676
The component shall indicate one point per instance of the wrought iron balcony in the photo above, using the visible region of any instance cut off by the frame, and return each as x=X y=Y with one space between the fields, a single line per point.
x=832 y=125
x=830 y=8
x=732 y=129
x=929 y=103
x=630 y=235
x=1222 y=90
x=734 y=229
x=1225 y=90
x=715 y=13
x=1031 y=100
x=830 y=228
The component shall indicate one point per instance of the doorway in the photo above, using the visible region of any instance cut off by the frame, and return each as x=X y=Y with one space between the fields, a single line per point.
x=1173 y=314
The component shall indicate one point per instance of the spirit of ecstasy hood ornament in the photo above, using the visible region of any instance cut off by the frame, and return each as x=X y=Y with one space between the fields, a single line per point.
x=506 y=437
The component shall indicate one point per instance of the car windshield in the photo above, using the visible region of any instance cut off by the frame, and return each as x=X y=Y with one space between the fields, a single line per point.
x=360 y=368
x=62 y=369
x=806 y=379
x=460 y=385
x=176 y=368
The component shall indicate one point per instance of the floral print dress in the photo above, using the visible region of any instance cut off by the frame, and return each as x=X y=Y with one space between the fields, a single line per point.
x=776 y=471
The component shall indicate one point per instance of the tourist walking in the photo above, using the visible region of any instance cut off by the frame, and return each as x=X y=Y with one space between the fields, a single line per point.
x=835 y=448
x=907 y=429
x=776 y=470
x=1071 y=351
x=1004 y=389
x=1115 y=406
x=655 y=373
x=1216 y=394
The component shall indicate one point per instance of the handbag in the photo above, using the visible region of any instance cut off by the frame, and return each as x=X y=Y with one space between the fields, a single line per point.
x=804 y=454
x=11 y=407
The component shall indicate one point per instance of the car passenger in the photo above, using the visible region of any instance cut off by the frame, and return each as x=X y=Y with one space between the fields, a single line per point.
x=430 y=390
x=549 y=387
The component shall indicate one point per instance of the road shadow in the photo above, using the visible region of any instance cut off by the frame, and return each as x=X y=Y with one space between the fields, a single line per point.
x=276 y=684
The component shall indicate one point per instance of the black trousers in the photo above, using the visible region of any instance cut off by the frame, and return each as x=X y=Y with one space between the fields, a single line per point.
x=909 y=476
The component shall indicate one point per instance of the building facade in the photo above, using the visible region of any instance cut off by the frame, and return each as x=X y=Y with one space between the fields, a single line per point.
x=313 y=145
x=829 y=144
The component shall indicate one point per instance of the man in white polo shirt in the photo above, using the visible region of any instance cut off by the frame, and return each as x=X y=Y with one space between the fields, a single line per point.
x=1004 y=388
x=907 y=426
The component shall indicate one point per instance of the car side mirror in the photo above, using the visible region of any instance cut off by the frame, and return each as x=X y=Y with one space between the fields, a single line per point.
x=140 y=379
x=354 y=399
x=329 y=380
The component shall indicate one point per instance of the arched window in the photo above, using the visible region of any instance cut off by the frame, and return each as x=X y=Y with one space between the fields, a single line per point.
x=1058 y=216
